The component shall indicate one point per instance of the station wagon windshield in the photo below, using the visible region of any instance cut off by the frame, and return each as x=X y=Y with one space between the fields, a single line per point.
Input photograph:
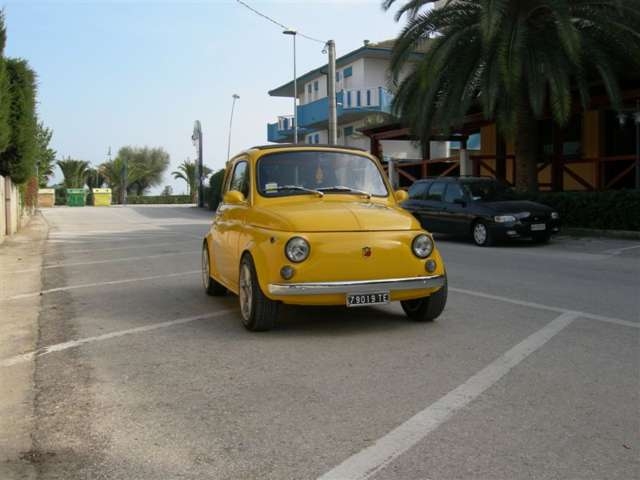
x=308 y=172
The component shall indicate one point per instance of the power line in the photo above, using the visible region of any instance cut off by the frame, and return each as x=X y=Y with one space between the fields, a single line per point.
x=266 y=17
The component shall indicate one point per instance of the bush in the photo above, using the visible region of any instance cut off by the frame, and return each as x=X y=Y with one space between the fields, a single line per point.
x=608 y=210
x=213 y=194
x=158 y=199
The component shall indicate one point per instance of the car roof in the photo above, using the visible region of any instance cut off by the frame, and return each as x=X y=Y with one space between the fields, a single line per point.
x=306 y=146
x=465 y=179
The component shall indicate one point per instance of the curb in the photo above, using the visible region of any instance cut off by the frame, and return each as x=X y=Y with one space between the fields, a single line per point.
x=592 y=232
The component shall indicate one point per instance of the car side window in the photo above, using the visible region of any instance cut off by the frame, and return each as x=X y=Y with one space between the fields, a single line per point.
x=454 y=192
x=418 y=191
x=240 y=178
x=436 y=191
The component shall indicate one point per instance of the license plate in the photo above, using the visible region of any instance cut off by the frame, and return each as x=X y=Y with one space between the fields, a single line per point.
x=363 y=299
x=537 y=227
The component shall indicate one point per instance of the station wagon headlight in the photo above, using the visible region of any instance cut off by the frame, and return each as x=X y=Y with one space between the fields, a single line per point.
x=555 y=215
x=422 y=246
x=504 y=218
x=297 y=249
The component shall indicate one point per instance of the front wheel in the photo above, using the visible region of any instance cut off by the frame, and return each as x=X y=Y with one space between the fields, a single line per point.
x=481 y=234
x=258 y=312
x=426 y=309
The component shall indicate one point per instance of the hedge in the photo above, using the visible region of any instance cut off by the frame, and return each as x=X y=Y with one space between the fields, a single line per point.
x=608 y=210
x=157 y=199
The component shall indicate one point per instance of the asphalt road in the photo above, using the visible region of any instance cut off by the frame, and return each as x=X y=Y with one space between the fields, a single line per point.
x=532 y=372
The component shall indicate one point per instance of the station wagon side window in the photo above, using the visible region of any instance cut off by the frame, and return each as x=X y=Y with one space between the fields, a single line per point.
x=454 y=192
x=436 y=191
x=418 y=191
x=240 y=178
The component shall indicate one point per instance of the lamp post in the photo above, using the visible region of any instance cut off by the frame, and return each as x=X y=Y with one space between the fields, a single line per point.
x=295 y=87
x=196 y=138
x=235 y=97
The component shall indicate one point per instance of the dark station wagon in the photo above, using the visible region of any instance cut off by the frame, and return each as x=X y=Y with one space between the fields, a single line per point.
x=479 y=207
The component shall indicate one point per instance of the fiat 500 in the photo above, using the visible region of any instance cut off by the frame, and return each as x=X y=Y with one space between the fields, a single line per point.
x=311 y=225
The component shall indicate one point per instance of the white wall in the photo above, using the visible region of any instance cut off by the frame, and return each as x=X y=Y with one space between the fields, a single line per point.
x=3 y=213
x=401 y=149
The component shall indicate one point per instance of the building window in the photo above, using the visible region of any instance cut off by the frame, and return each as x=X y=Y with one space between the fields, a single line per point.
x=347 y=72
x=310 y=139
x=348 y=131
x=315 y=85
x=358 y=98
x=309 y=88
x=348 y=98
x=337 y=76
x=317 y=138
x=368 y=98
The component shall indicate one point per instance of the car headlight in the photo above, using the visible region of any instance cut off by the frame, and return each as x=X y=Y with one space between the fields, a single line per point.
x=504 y=218
x=297 y=249
x=555 y=215
x=422 y=246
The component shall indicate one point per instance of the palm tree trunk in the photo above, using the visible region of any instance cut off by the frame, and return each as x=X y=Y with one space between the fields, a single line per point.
x=526 y=148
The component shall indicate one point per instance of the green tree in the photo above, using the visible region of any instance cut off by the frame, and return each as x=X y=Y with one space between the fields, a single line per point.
x=146 y=167
x=188 y=171
x=167 y=191
x=45 y=155
x=19 y=158
x=516 y=59
x=74 y=172
x=94 y=178
x=5 y=100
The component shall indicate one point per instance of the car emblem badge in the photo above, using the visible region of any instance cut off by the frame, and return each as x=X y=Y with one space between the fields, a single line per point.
x=366 y=251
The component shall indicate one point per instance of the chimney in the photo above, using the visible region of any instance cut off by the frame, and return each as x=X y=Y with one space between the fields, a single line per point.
x=366 y=43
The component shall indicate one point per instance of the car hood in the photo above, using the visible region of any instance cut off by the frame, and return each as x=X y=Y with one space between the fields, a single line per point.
x=516 y=206
x=333 y=216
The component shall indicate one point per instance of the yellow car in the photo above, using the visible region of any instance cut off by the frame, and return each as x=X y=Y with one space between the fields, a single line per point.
x=315 y=225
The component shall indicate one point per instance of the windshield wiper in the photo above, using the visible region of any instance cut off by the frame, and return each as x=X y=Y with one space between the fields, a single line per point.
x=342 y=188
x=297 y=188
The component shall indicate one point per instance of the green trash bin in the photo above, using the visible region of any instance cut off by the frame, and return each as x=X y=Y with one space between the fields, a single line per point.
x=76 y=197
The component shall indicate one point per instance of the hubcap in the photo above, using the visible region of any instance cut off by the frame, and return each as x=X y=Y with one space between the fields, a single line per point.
x=205 y=268
x=246 y=291
x=480 y=233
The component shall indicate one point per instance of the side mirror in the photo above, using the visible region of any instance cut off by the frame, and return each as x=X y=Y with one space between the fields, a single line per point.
x=233 y=197
x=400 y=195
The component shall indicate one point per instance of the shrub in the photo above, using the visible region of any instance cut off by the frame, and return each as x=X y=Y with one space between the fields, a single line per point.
x=158 y=199
x=608 y=210
x=213 y=193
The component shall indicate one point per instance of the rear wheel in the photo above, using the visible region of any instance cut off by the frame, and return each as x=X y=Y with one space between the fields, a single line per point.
x=258 y=312
x=212 y=287
x=426 y=309
x=481 y=234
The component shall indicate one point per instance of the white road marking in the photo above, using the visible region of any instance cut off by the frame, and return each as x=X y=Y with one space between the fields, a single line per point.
x=92 y=250
x=100 y=284
x=618 y=251
x=25 y=357
x=371 y=460
x=96 y=262
x=541 y=306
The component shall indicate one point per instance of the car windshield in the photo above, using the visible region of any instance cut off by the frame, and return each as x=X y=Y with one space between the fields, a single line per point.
x=488 y=191
x=327 y=172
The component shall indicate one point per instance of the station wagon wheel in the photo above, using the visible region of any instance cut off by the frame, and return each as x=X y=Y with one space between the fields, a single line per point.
x=212 y=287
x=426 y=309
x=258 y=312
x=481 y=234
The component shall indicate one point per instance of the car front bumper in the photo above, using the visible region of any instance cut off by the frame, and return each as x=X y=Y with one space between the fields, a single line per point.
x=521 y=229
x=363 y=286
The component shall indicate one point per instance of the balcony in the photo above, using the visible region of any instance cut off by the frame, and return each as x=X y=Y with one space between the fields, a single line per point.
x=352 y=105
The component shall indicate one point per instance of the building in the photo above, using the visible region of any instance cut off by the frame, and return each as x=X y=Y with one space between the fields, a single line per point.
x=363 y=102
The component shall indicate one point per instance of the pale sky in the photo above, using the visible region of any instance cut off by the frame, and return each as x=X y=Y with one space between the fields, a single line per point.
x=116 y=73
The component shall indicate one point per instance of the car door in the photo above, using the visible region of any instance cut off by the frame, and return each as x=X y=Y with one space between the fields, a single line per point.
x=229 y=224
x=456 y=217
x=415 y=202
x=432 y=210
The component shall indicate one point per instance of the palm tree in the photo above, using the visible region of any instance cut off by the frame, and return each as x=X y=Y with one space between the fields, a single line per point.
x=188 y=171
x=516 y=59
x=74 y=172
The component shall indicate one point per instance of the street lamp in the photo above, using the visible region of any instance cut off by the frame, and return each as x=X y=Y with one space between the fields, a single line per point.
x=295 y=87
x=235 y=97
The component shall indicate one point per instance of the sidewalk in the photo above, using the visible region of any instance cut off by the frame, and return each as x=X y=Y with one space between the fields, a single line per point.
x=18 y=335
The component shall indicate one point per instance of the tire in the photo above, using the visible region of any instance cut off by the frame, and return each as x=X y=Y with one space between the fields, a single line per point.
x=258 y=312
x=481 y=234
x=426 y=309
x=212 y=287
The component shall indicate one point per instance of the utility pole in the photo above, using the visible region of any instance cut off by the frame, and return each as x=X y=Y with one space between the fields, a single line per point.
x=293 y=33
x=197 y=141
x=331 y=92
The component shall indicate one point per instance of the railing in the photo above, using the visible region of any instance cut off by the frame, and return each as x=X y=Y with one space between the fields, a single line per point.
x=377 y=98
